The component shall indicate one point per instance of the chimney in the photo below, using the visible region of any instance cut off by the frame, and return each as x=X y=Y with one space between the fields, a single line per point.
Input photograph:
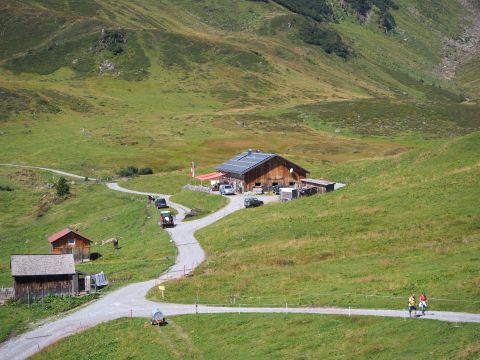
x=249 y=151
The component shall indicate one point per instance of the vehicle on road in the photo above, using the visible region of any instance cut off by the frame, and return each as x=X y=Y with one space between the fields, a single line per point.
x=166 y=219
x=252 y=202
x=226 y=189
x=161 y=203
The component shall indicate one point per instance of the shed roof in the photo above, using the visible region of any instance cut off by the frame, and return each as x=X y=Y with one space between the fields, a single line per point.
x=248 y=160
x=62 y=233
x=34 y=265
x=319 y=182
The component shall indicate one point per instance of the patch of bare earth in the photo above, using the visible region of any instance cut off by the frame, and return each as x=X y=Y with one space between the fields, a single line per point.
x=461 y=49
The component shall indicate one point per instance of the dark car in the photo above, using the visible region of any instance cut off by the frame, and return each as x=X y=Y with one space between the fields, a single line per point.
x=276 y=188
x=161 y=203
x=252 y=202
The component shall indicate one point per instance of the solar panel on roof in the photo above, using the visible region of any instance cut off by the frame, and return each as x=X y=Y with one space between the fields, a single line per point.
x=243 y=162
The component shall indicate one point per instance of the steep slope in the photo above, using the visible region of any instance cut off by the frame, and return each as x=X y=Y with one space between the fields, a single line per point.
x=109 y=77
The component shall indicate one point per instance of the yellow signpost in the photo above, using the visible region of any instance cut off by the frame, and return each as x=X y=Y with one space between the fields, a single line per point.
x=162 y=289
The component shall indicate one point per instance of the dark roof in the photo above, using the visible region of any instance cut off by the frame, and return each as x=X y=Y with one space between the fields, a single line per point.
x=31 y=265
x=319 y=182
x=62 y=233
x=247 y=161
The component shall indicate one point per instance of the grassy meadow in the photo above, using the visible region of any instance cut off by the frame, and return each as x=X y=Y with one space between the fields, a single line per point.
x=94 y=86
x=203 y=203
x=270 y=336
x=402 y=225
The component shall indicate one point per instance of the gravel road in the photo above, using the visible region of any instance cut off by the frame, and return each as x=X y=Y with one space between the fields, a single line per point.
x=130 y=300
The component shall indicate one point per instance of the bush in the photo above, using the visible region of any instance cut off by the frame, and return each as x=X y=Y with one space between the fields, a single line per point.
x=6 y=188
x=130 y=171
x=62 y=187
x=328 y=40
x=145 y=171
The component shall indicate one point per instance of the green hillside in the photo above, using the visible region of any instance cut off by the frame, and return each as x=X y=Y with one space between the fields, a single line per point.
x=402 y=225
x=354 y=90
x=270 y=336
x=110 y=77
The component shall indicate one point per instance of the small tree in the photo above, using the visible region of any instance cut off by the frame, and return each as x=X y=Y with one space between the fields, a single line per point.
x=62 y=187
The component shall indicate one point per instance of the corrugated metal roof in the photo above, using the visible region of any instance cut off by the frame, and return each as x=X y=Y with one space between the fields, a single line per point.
x=31 y=265
x=244 y=162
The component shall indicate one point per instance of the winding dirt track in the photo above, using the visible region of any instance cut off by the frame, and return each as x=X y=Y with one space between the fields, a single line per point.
x=130 y=300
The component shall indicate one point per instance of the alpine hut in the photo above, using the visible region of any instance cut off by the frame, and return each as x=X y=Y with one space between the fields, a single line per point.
x=36 y=276
x=255 y=169
x=68 y=241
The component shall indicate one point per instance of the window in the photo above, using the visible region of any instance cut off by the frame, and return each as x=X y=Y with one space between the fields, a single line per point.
x=291 y=183
x=258 y=184
x=71 y=241
x=275 y=184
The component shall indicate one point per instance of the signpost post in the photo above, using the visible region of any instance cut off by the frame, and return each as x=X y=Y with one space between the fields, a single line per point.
x=162 y=289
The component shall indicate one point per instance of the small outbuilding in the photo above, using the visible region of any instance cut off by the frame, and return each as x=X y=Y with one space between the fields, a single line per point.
x=255 y=169
x=320 y=185
x=68 y=241
x=36 y=276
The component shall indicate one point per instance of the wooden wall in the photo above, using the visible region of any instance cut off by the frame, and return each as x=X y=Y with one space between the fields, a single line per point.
x=38 y=286
x=80 y=251
x=276 y=170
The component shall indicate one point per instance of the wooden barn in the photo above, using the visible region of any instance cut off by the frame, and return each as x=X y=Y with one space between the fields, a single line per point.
x=36 y=276
x=257 y=169
x=68 y=241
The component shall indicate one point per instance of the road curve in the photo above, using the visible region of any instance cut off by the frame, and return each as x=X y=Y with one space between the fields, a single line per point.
x=130 y=300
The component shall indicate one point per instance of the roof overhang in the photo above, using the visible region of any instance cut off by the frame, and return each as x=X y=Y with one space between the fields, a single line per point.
x=210 y=176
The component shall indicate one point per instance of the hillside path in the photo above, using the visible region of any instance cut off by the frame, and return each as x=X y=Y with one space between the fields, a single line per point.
x=130 y=300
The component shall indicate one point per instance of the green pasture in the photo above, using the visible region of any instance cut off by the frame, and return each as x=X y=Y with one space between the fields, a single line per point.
x=204 y=203
x=402 y=225
x=270 y=336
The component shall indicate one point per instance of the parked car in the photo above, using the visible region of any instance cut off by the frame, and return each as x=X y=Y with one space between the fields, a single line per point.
x=166 y=219
x=161 y=203
x=226 y=189
x=276 y=188
x=252 y=202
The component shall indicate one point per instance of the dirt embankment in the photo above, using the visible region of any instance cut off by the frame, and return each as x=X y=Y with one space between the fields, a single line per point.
x=461 y=49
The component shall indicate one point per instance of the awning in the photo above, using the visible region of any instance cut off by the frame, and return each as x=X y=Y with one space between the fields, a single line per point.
x=210 y=176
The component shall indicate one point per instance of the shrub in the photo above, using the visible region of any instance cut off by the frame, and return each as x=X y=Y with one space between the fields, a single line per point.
x=130 y=171
x=328 y=40
x=62 y=187
x=6 y=188
x=145 y=171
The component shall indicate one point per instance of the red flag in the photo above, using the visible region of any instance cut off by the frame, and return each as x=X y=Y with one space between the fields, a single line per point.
x=192 y=169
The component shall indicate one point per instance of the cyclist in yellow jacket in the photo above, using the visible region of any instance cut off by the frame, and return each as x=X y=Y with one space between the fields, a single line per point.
x=412 y=305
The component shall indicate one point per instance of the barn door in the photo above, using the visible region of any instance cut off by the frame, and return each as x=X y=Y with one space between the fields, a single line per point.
x=77 y=254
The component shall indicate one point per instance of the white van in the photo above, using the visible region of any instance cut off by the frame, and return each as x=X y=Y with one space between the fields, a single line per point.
x=226 y=189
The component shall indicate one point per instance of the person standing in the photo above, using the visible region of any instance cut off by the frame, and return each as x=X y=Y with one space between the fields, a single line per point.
x=412 y=305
